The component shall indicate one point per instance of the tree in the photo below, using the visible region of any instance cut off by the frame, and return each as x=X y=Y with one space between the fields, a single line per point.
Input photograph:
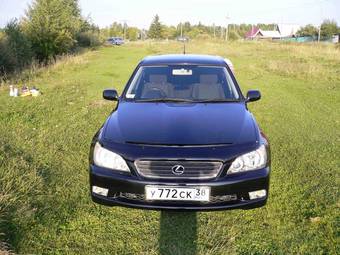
x=116 y=29
x=73 y=4
x=18 y=44
x=186 y=27
x=329 y=28
x=132 y=33
x=266 y=26
x=169 y=32
x=193 y=32
x=308 y=30
x=156 y=29
x=52 y=26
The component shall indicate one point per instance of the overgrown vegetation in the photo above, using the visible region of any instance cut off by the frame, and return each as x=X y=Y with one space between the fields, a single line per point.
x=328 y=28
x=50 y=28
x=15 y=48
x=45 y=207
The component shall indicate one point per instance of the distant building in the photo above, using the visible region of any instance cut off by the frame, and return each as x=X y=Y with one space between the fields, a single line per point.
x=252 y=33
x=288 y=30
x=268 y=34
x=282 y=31
x=256 y=33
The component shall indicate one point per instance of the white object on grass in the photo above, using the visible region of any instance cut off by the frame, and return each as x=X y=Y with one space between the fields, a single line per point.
x=15 y=92
x=11 y=91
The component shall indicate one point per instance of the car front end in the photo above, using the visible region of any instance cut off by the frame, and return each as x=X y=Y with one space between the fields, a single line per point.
x=205 y=169
x=229 y=176
x=181 y=137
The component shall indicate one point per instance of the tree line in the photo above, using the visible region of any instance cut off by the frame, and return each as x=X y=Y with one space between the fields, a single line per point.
x=158 y=30
x=327 y=29
x=117 y=29
x=48 y=29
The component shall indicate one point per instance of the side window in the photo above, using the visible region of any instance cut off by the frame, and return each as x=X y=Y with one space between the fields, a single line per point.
x=230 y=86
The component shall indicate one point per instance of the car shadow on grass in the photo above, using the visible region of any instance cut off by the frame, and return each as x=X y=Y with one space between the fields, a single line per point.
x=178 y=233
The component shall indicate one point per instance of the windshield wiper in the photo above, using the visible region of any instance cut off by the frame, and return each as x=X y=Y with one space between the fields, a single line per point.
x=216 y=100
x=165 y=100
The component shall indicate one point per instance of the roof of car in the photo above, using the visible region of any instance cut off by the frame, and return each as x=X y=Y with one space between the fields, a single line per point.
x=188 y=59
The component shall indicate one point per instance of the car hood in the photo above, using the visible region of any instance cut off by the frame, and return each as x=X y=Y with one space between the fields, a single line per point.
x=181 y=124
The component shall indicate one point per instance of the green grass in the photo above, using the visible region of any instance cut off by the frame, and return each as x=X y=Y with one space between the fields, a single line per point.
x=45 y=207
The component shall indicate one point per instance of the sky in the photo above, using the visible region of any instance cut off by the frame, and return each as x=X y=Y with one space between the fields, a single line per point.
x=219 y=12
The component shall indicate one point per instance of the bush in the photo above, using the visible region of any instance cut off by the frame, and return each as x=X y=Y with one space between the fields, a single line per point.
x=88 y=39
x=7 y=60
x=19 y=44
x=15 y=49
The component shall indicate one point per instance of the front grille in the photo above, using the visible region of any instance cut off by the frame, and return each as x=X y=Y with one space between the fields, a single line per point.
x=130 y=196
x=141 y=198
x=165 y=169
x=221 y=199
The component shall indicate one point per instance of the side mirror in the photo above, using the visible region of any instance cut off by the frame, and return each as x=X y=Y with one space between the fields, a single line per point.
x=110 y=94
x=253 y=95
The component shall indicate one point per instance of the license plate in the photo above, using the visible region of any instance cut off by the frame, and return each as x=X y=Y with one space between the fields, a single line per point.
x=177 y=193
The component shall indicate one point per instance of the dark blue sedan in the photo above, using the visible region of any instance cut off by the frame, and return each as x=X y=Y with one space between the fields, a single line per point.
x=181 y=137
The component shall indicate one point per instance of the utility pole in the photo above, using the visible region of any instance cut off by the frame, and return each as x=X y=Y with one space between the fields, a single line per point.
x=124 y=21
x=321 y=15
x=181 y=30
x=226 y=31
x=214 y=30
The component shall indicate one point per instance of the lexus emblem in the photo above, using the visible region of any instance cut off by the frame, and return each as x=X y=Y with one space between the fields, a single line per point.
x=178 y=169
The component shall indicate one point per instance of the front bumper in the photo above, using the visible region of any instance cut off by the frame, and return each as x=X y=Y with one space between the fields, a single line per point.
x=229 y=192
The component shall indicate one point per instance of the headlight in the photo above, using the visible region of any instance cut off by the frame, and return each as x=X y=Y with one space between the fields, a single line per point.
x=108 y=159
x=250 y=161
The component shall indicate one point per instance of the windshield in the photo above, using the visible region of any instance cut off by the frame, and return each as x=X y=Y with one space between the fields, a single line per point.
x=182 y=83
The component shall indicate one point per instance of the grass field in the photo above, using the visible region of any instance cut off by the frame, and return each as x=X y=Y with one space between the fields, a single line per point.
x=45 y=207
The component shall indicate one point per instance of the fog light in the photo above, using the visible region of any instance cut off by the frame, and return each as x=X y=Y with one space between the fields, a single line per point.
x=100 y=191
x=257 y=194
